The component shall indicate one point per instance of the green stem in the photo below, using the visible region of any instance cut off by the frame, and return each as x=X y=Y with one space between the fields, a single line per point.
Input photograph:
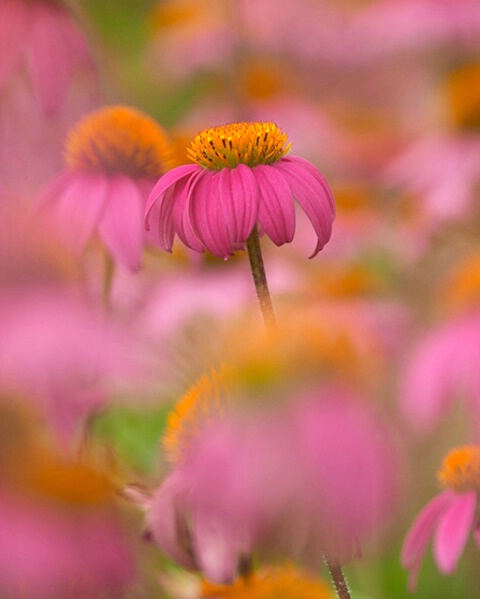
x=108 y=275
x=260 y=278
x=339 y=581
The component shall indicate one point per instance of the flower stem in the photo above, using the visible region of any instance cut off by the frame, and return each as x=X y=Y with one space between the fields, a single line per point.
x=260 y=278
x=339 y=581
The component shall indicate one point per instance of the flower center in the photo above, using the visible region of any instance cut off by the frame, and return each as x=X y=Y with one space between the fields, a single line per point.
x=121 y=140
x=280 y=583
x=461 y=469
x=463 y=90
x=238 y=143
x=204 y=401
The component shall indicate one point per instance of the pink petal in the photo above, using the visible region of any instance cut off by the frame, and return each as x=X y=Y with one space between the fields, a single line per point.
x=207 y=217
x=166 y=523
x=121 y=226
x=276 y=211
x=73 y=203
x=452 y=532
x=49 y=57
x=14 y=29
x=312 y=195
x=181 y=218
x=239 y=198
x=419 y=534
x=215 y=550
x=313 y=170
x=167 y=181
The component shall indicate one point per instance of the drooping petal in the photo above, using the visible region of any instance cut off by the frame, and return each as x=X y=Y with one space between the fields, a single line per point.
x=49 y=58
x=310 y=193
x=121 y=226
x=239 y=199
x=181 y=218
x=14 y=28
x=166 y=182
x=276 y=211
x=420 y=533
x=166 y=524
x=313 y=170
x=452 y=532
x=73 y=204
x=207 y=217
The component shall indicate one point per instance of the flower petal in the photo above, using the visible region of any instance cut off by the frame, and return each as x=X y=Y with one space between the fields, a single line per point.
x=166 y=182
x=276 y=211
x=181 y=217
x=73 y=204
x=207 y=217
x=239 y=199
x=14 y=26
x=121 y=226
x=452 y=532
x=419 y=534
x=313 y=195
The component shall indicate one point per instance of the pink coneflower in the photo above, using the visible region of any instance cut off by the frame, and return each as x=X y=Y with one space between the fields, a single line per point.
x=40 y=35
x=449 y=517
x=113 y=158
x=300 y=480
x=443 y=369
x=241 y=178
x=61 y=355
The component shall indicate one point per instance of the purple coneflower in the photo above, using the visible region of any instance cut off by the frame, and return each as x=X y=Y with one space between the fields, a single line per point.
x=449 y=517
x=241 y=178
x=40 y=36
x=113 y=156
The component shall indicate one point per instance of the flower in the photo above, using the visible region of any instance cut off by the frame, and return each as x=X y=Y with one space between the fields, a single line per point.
x=63 y=534
x=442 y=369
x=40 y=35
x=449 y=516
x=228 y=497
x=113 y=157
x=241 y=178
x=61 y=355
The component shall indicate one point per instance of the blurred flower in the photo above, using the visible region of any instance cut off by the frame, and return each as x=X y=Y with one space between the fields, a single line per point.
x=62 y=532
x=113 y=158
x=229 y=496
x=60 y=354
x=241 y=178
x=449 y=517
x=40 y=35
x=441 y=369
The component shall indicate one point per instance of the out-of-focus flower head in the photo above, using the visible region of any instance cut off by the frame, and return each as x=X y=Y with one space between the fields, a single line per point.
x=62 y=531
x=40 y=36
x=229 y=497
x=449 y=518
x=189 y=36
x=113 y=158
x=241 y=178
x=61 y=355
x=441 y=369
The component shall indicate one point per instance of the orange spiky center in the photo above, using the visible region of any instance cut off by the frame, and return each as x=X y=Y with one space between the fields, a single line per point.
x=203 y=402
x=461 y=469
x=228 y=146
x=280 y=583
x=119 y=140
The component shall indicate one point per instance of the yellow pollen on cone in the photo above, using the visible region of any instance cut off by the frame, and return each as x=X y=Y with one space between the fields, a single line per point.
x=203 y=402
x=238 y=143
x=461 y=469
x=119 y=140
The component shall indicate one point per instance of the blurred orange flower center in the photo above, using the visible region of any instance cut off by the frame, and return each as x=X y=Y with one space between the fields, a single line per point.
x=238 y=143
x=461 y=469
x=204 y=401
x=119 y=140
